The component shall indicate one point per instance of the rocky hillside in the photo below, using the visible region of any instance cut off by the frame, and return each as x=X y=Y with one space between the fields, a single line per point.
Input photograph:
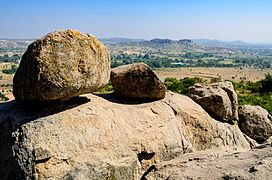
x=15 y=43
x=140 y=131
x=168 y=44
x=161 y=44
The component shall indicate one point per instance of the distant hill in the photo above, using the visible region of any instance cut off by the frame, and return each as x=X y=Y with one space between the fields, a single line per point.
x=168 y=44
x=162 y=44
x=214 y=42
x=15 y=43
x=218 y=43
x=119 y=40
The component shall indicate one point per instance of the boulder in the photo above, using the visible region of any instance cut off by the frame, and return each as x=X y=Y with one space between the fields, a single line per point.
x=107 y=137
x=219 y=100
x=137 y=81
x=229 y=89
x=61 y=65
x=255 y=122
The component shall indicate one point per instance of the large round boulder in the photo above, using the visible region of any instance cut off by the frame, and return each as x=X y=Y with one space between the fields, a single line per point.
x=61 y=65
x=137 y=81
x=255 y=122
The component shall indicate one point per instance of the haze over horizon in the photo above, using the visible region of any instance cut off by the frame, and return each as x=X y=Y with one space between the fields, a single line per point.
x=227 y=20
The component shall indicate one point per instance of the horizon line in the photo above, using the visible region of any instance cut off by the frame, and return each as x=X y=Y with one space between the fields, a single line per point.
x=148 y=39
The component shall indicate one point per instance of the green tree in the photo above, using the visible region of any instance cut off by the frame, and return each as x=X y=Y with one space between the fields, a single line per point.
x=181 y=86
x=266 y=84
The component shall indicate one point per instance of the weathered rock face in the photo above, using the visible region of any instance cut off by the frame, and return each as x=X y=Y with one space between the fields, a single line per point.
x=229 y=89
x=106 y=138
x=61 y=65
x=255 y=122
x=137 y=81
x=219 y=100
x=254 y=164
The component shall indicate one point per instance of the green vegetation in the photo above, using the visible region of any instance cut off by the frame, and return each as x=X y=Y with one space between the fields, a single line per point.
x=181 y=86
x=252 y=93
x=256 y=93
x=266 y=84
x=258 y=62
x=12 y=70
x=263 y=100
x=107 y=89
x=158 y=61
x=12 y=59
x=152 y=61
x=6 y=85
x=190 y=59
x=3 y=97
x=260 y=87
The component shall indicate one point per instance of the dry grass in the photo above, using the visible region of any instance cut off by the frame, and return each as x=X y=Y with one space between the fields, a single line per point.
x=234 y=74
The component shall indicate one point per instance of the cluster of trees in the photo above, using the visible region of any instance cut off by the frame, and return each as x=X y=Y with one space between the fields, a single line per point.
x=209 y=63
x=263 y=100
x=257 y=62
x=12 y=70
x=193 y=60
x=6 y=85
x=262 y=87
x=152 y=61
x=181 y=86
x=13 y=59
x=191 y=55
x=256 y=93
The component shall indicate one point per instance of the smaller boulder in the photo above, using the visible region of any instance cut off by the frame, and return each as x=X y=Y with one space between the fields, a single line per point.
x=219 y=100
x=229 y=89
x=137 y=81
x=255 y=122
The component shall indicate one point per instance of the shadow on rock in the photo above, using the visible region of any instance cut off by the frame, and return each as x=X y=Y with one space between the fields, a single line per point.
x=29 y=112
x=114 y=98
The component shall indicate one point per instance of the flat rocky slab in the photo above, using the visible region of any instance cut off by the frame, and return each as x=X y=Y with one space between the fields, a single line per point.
x=103 y=137
x=254 y=164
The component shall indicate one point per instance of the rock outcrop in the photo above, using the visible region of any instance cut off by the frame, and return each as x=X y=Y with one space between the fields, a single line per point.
x=106 y=138
x=137 y=81
x=254 y=164
x=61 y=65
x=219 y=100
x=255 y=122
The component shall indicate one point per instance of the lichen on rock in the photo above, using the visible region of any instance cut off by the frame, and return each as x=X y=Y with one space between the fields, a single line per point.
x=61 y=65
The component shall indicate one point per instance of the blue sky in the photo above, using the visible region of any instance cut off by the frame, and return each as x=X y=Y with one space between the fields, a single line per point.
x=247 y=20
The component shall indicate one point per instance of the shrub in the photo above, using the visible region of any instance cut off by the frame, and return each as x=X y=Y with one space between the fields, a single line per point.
x=106 y=89
x=266 y=84
x=3 y=97
x=181 y=86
